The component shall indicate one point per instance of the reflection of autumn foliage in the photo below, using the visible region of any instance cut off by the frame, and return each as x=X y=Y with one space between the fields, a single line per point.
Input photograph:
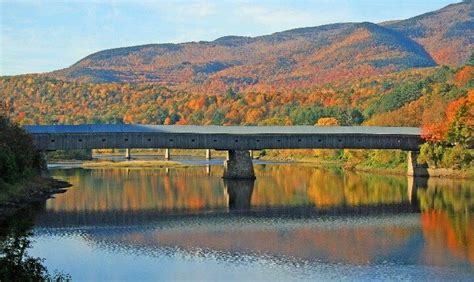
x=447 y=217
x=354 y=189
x=441 y=231
x=325 y=188
x=192 y=189
x=121 y=189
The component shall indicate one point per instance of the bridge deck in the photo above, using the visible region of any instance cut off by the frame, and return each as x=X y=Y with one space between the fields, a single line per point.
x=57 y=137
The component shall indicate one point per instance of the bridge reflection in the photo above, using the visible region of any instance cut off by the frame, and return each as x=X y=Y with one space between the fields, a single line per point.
x=102 y=196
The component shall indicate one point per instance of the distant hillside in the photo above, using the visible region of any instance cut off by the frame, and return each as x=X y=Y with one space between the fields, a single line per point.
x=302 y=56
x=290 y=59
x=447 y=34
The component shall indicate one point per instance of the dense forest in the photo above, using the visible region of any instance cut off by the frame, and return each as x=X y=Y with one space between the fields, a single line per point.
x=439 y=99
x=400 y=99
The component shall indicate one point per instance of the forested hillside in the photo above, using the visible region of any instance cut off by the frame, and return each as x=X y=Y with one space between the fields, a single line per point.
x=447 y=34
x=300 y=57
x=407 y=98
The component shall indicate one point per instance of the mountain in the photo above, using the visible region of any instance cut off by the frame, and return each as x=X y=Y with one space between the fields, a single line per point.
x=295 y=58
x=447 y=34
x=312 y=55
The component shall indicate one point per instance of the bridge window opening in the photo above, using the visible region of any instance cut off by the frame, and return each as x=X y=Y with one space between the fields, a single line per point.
x=399 y=141
x=339 y=140
x=360 y=140
x=171 y=140
x=103 y=140
x=52 y=140
x=149 y=140
x=319 y=140
x=299 y=140
x=80 y=140
x=236 y=140
x=192 y=140
x=278 y=140
x=126 y=140
x=258 y=140
x=214 y=140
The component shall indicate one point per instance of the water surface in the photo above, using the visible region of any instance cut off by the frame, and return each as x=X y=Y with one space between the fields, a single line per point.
x=293 y=222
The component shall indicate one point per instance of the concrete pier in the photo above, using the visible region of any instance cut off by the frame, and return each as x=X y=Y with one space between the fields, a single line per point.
x=128 y=156
x=238 y=165
x=239 y=193
x=415 y=169
x=208 y=154
x=167 y=154
x=43 y=171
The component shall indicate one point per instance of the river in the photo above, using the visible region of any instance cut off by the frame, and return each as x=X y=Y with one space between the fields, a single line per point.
x=292 y=222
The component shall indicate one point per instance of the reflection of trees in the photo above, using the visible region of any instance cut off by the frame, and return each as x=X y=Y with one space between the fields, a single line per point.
x=15 y=263
x=193 y=189
x=447 y=209
x=326 y=190
x=141 y=189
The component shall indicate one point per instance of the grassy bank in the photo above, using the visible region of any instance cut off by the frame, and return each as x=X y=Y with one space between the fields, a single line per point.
x=133 y=164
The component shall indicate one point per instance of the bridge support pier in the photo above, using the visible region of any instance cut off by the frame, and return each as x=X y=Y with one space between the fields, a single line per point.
x=167 y=154
x=208 y=154
x=43 y=171
x=128 y=156
x=415 y=169
x=238 y=165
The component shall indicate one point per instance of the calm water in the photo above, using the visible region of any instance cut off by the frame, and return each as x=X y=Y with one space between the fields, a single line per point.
x=293 y=222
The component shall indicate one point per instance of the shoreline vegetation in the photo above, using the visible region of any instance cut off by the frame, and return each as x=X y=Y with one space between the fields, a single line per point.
x=21 y=182
x=21 y=195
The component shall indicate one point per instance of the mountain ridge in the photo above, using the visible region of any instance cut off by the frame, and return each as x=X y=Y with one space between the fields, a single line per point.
x=299 y=57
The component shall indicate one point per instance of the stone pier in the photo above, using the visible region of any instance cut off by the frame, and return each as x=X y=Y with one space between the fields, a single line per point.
x=208 y=154
x=43 y=171
x=415 y=169
x=238 y=165
x=128 y=156
x=167 y=154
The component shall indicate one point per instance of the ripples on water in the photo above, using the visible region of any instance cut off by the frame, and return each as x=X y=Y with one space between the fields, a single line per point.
x=293 y=222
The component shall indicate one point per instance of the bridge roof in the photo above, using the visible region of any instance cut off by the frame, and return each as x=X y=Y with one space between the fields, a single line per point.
x=213 y=129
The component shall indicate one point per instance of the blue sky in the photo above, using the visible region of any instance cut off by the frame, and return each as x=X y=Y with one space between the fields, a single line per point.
x=41 y=36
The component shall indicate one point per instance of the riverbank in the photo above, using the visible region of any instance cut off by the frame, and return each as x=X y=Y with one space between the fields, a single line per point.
x=133 y=164
x=397 y=168
x=17 y=196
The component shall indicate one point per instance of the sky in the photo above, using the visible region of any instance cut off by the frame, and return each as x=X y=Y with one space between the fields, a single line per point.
x=41 y=36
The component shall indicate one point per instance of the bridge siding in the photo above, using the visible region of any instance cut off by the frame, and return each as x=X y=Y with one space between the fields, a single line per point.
x=65 y=141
